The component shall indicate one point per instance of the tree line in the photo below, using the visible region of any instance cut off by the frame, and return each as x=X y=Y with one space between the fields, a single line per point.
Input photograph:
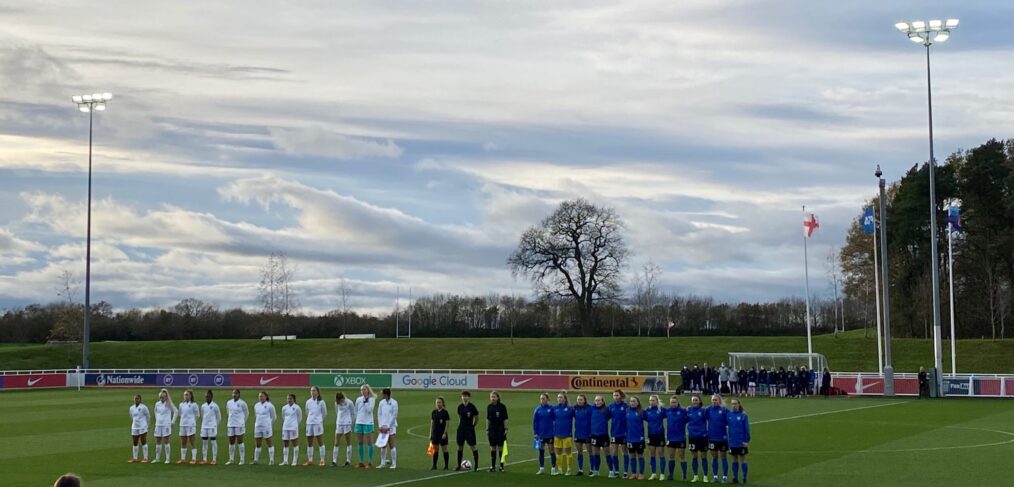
x=981 y=181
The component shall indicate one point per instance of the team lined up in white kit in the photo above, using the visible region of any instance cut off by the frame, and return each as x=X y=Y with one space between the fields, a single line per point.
x=357 y=417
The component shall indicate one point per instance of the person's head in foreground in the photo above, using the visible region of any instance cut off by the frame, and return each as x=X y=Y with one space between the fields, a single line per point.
x=68 y=480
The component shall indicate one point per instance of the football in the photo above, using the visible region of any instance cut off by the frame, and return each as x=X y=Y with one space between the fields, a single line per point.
x=466 y=464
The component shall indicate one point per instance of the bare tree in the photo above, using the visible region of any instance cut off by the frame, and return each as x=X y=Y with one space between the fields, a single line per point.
x=577 y=253
x=646 y=294
x=194 y=308
x=343 y=303
x=276 y=295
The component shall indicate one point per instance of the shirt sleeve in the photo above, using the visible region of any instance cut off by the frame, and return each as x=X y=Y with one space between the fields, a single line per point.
x=274 y=413
x=535 y=422
x=394 y=411
x=323 y=409
x=218 y=414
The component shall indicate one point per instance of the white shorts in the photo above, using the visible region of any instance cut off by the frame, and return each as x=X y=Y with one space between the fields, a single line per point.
x=163 y=431
x=289 y=435
x=262 y=431
x=237 y=430
x=391 y=430
x=188 y=430
x=314 y=430
x=342 y=429
x=209 y=432
x=139 y=432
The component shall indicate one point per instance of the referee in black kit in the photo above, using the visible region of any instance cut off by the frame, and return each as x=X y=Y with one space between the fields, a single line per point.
x=496 y=429
x=468 y=417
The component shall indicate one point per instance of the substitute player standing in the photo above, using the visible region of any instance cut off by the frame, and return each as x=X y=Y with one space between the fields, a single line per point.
x=236 y=424
x=265 y=415
x=211 y=415
x=139 y=418
x=718 y=439
x=316 y=410
x=345 y=416
x=739 y=439
x=468 y=418
x=387 y=419
x=292 y=415
x=496 y=429
x=189 y=412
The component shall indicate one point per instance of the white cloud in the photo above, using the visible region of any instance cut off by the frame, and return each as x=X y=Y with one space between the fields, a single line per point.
x=323 y=142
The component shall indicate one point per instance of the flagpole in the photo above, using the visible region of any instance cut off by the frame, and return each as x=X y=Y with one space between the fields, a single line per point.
x=806 y=271
x=950 y=268
x=876 y=285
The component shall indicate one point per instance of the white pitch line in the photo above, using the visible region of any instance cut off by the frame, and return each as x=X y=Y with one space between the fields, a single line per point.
x=775 y=420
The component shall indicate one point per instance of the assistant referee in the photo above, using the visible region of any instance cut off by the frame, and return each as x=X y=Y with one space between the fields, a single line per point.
x=496 y=429
x=468 y=418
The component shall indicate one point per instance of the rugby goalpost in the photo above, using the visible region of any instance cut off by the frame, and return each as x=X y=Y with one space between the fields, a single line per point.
x=774 y=361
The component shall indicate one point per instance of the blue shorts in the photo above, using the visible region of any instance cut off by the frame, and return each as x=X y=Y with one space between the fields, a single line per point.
x=364 y=429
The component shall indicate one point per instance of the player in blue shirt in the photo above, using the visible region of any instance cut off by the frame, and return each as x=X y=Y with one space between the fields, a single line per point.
x=697 y=430
x=655 y=417
x=618 y=436
x=599 y=435
x=718 y=437
x=563 y=432
x=582 y=432
x=739 y=439
x=676 y=435
x=542 y=427
x=635 y=438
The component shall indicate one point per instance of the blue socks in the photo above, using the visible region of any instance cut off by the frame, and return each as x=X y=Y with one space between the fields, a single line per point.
x=683 y=465
x=580 y=462
x=362 y=453
x=714 y=466
x=552 y=459
x=704 y=465
x=725 y=467
x=743 y=466
x=735 y=470
x=542 y=458
x=626 y=463
x=672 y=467
x=641 y=462
x=695 y=465
x=654 y=467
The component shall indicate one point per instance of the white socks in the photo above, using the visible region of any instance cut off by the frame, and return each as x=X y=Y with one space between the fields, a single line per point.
x=242 y=452
x=334 y=454
x=232 y=452
x=214 y=450
x=322 y=455
x=257 y=454
x=204 y=450
x=295 y=454
x=309 y=453
x=271 y=455
x=144 y=448
x=383 y=456
x=135 y=452
x=285 y=454
x=168 y=449
x=394 y=456
x=183 y=454
x=348 y=454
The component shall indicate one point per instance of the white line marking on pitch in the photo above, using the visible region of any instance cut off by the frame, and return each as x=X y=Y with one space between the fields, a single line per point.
x=775 y=420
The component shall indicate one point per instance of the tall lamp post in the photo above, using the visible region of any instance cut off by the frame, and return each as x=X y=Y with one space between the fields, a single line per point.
x=89 y=104
x=888 y=365
x=927 y=33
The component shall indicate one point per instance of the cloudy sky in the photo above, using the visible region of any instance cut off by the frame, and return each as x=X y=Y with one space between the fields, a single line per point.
x=407 y=144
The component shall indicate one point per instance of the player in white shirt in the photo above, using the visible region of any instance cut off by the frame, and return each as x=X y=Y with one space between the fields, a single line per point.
x=264 y=420
x=316 y=410
x=238 y=414
x=139 y=417
x=387 y=418
x=345 y=413
x=211 y=415
x=189 y=412
x=292 y=415
x=165 y=416
x=364 y=425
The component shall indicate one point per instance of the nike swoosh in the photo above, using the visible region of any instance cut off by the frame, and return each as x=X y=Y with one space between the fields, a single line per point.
x=516 y=383
x=32 y=382
x=867 y=386
x=265 y=382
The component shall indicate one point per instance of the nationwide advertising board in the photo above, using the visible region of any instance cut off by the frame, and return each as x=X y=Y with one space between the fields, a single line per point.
x=350 y=381
x=435 y=381
x=195 y=380
x=34 y=381
x=957 y=387
x=523 y=382
x=270 y=380
x=120 y=380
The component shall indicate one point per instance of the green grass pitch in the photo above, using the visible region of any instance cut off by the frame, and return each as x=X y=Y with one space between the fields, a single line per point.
x=797 y=442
